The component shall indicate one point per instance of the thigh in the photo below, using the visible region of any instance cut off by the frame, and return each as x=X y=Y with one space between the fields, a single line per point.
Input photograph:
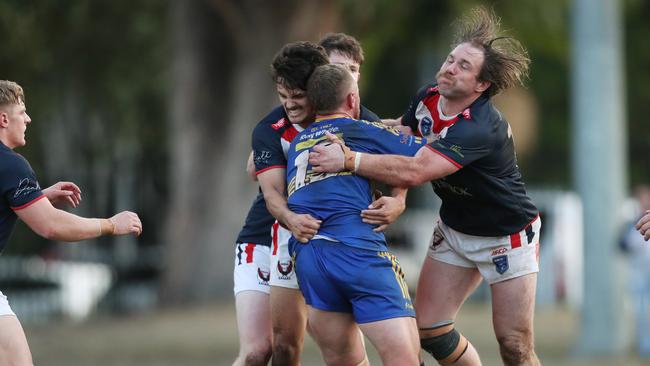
x=253 y=319
x=251 y=270
x=337 y=336
x=395 y=339
x=13 y=343
x=288 y=314
x=513 y=305
x=442 y=289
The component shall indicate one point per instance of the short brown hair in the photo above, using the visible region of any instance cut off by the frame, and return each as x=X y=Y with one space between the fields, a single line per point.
x=328 y=87
x=505 y=61
x=11 y=93
x=343 y=44
x=293 y=64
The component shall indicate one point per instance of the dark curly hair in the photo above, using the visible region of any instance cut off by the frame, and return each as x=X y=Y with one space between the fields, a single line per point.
x=294 y=63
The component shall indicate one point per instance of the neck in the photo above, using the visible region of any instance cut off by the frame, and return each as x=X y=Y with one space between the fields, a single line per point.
x=452 y=107
x=4 y=142
x=335 y=114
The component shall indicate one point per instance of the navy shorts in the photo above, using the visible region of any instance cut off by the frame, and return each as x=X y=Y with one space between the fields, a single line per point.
x=340 y=278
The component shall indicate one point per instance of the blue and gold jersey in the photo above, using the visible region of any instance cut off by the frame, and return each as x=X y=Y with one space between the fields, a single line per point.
x=338 y=198
x=270 y=141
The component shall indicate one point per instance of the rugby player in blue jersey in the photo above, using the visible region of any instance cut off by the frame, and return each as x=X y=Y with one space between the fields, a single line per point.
x=489 y=227
x=346 y=274
x=22 y=197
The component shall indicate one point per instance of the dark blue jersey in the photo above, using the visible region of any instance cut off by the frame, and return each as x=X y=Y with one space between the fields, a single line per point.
x=19 y=189
x=486 y=197
x=270 y=141
x=338 y=198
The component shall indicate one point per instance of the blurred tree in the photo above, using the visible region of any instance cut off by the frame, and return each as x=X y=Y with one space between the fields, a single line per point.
x=220 y=88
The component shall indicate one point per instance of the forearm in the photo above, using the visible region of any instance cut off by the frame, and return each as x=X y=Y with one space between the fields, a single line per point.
x=394 y=170
x=399 y=193
x=276 y=203
x=65 y=226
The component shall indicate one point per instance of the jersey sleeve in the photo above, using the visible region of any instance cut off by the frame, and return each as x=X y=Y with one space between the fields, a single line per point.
x=464 y=143
x=377 y=138
x=20 y=187
x=267 y=149
x=408 y=118
x=368 y=115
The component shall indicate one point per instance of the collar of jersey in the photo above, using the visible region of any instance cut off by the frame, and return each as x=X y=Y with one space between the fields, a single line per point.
x=331 y=116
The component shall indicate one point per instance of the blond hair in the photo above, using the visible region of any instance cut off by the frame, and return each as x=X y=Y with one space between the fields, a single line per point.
x=11 y=93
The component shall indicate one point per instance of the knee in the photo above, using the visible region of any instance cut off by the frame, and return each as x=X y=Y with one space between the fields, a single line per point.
x=285 y=353
x=443 y=342
x=254 y=356
x=516 y=348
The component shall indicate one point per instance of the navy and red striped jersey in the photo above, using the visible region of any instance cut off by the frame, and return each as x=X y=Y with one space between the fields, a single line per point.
x=19 y=189
x=270 y=142
x=487 y=196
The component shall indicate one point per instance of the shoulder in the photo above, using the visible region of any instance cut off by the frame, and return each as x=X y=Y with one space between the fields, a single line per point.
x=12 y=161
x=368 y=115
x=275 y=120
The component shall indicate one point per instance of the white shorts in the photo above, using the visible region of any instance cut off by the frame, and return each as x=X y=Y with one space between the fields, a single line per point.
x=5 y=309
x=251 y=268
x=497 y=258
x=283 y=272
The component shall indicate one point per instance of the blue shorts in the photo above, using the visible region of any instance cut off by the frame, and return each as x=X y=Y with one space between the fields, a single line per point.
x=340 y=278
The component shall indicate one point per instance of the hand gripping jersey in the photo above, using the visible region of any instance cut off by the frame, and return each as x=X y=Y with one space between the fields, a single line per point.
x=486 y=197
x=270 y=141
x=19 y=189
x=338 y=198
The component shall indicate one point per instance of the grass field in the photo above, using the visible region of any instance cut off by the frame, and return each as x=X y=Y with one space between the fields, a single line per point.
x=207 y=335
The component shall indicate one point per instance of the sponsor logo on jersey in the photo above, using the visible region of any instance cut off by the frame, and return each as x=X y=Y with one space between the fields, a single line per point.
x=261 y=157
x=264 y=276
x=456 y=149
x=279 y=124
x=501 y=263
x=26 y=186
x=443 y=184
x=466 y=114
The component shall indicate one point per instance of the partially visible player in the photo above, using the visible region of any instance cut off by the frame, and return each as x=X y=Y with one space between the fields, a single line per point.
x=22 y=197
x=346 y=273
x=644 y=225
x=291 y=68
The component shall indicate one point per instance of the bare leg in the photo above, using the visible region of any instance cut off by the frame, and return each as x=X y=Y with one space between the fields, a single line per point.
x=442 y=289
x=289 y=318
x=254 y=326
x=14 y=350
x=337 y=336
x=513 y=306
x=396 y=340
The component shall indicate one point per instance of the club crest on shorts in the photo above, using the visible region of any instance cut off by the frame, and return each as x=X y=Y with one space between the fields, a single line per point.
x=501 y=262
x=285 y=268
x=436 y=239
x=264 y=276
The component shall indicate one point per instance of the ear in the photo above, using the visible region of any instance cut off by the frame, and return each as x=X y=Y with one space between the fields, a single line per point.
x=482 y=86
x=4 y=119
x=351 y=101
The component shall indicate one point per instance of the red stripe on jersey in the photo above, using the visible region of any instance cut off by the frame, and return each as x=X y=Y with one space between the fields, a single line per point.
x=439 y=124
x=445 y=156
x=274 y=228
x=515 y=240
x=269 y=168
x=249 y=252
x=290 y=133
x=28 y=203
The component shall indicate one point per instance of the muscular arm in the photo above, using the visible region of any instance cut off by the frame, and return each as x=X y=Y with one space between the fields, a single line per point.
x=52 y=223
x=273 y=184
x=395 y=170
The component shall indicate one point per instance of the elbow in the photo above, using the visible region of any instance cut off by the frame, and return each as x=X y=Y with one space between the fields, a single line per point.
x=47 y=231
x=412 y=179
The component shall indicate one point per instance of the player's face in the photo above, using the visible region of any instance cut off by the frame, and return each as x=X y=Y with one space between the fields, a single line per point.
x=458 y=75
x=17 y=121
x=295 y=104
x=337 y=58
